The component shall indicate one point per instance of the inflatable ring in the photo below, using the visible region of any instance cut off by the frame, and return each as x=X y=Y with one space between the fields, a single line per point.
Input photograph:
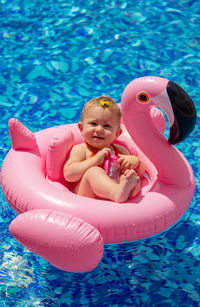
x=68 y=230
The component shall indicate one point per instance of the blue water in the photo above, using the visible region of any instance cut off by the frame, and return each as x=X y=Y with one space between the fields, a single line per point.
x=55 y=56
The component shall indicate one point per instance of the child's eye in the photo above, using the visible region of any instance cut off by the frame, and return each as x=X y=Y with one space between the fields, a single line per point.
x=107 y=126
x=93 y=124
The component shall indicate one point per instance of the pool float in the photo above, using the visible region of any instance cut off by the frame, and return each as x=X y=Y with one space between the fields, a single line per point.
x=68 y=230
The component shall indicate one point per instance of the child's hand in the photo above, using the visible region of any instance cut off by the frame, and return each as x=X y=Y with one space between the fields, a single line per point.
x=102 y=155
x=128 y=162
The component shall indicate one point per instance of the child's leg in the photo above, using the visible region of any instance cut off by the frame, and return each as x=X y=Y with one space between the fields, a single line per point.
x=136 y=189
x=96 y=183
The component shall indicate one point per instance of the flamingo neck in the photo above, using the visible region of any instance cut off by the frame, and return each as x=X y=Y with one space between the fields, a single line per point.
x=171 y=165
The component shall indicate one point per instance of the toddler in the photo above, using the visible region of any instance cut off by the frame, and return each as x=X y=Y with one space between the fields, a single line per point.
x=100 y=126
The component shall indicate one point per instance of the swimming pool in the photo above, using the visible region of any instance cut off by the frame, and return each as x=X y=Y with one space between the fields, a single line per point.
x=54 y=57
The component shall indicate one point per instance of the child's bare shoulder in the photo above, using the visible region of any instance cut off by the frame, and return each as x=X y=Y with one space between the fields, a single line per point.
x=79 y=146
x=78 y=152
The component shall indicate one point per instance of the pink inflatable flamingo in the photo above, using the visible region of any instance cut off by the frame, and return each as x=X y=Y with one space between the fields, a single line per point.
x=69 y=230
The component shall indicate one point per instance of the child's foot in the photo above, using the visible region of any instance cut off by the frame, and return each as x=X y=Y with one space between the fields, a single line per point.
x=128 y=181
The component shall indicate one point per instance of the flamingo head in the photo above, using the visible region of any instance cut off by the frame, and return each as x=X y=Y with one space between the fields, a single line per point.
x=142 y=94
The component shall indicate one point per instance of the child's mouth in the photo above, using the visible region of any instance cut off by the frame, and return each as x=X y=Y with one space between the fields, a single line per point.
x=98 y=138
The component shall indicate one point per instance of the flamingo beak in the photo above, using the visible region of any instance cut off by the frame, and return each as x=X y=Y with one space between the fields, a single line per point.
x=184 y=113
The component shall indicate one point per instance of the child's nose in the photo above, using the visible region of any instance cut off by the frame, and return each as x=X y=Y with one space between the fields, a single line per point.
x=99 y=129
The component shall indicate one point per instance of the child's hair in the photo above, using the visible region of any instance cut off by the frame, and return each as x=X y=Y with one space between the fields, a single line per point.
x=104 y=102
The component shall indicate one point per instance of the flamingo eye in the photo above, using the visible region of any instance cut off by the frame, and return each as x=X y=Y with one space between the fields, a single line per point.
x=143 y=97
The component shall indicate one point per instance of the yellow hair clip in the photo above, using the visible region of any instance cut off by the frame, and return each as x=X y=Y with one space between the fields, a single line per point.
x=105 y=103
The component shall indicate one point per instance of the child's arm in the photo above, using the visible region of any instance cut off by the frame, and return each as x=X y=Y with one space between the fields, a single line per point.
x=77 y=164
x=128 y=161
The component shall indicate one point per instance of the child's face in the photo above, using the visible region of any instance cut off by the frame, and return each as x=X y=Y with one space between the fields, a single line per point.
x=100 y=127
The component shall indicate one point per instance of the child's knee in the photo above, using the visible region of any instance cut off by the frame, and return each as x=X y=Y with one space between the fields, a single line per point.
x=93 y=175
x=95 y=170
x=88 y=173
